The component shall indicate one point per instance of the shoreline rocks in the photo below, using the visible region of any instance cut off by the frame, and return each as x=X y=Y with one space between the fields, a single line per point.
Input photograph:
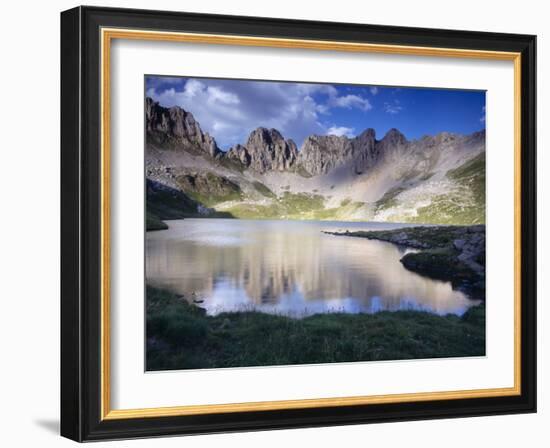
x=448 y=253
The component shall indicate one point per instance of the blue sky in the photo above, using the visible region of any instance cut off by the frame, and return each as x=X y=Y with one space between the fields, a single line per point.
x=230 y=109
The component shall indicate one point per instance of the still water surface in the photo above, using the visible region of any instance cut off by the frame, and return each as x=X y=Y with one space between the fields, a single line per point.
x=290 y=268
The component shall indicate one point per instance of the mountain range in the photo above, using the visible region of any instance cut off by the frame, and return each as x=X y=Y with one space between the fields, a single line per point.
x=437 y=179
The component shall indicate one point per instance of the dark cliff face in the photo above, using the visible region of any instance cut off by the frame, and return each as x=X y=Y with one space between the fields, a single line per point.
x=266 y=150
x=175 y=125
x=392 y=145
x=320 y=154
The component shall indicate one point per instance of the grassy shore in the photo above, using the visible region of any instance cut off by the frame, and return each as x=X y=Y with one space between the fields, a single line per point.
x=153 y=222
x=181 y=336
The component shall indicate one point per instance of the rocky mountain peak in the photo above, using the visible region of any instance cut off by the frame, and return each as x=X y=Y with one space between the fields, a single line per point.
x=264 y=136
x=322 y=153
x=365 y=141
x=265 y=150
x=394 y=137
x=174 y=124
x=368 y=133
x=477 y=137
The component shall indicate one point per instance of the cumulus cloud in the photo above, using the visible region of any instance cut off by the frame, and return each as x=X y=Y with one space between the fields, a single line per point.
x=341 y=130
x=350 y=101
x=230 y=109
x=374 y=90
x=393 y=107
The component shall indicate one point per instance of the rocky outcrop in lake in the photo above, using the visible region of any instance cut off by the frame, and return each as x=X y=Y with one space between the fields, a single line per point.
x=449 y=253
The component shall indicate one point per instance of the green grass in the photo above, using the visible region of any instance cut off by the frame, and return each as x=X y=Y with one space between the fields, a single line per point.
x=212 y=200
x=287 y=206
x=153 y=222
x=472 y=167
x=253 y=211
x=165 y=202
x=303 y=206
x=464 y=206
x=389 y=199
x=345 y=212
x=447 y=210
x=168 y=203
x=263 y=190
x=209 y=189
x=472 y=175
x=298 y=203
x=182 y=336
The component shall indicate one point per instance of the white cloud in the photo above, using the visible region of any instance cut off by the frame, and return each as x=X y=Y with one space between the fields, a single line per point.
x=482 y=119
x=374 y=90
x=350 y=101
x=323 y=109
x=215 y=94
x=393 y=107
x=341 y=130
x=229 y=110
x=192 y=88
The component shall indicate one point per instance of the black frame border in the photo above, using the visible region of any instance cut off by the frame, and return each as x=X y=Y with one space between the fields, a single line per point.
x=81 y=223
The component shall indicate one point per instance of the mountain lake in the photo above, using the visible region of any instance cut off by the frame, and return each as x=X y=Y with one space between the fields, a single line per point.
x=290 y=268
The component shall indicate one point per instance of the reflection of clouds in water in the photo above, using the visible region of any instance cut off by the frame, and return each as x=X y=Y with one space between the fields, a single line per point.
x=289 y=267
x=220 y=240
x=227 y=297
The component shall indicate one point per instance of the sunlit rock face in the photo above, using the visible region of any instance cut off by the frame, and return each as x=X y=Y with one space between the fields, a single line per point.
x=177 y=126
x=265 y=150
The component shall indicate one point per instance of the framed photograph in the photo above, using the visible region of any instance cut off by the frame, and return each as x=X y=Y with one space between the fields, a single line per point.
x=273 y=223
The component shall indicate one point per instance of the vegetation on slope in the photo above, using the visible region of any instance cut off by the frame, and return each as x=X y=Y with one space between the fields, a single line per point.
x=165 y=202
x=466 y=203
x=263 y=190
x=168 y=203
x=472 y=176
x=346 y=211
x=458 y=199
x=287 y=206
x=153 y=222
x=181 y=336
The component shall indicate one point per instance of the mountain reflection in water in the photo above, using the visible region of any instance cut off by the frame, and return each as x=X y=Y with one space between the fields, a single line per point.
x=290 y=268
